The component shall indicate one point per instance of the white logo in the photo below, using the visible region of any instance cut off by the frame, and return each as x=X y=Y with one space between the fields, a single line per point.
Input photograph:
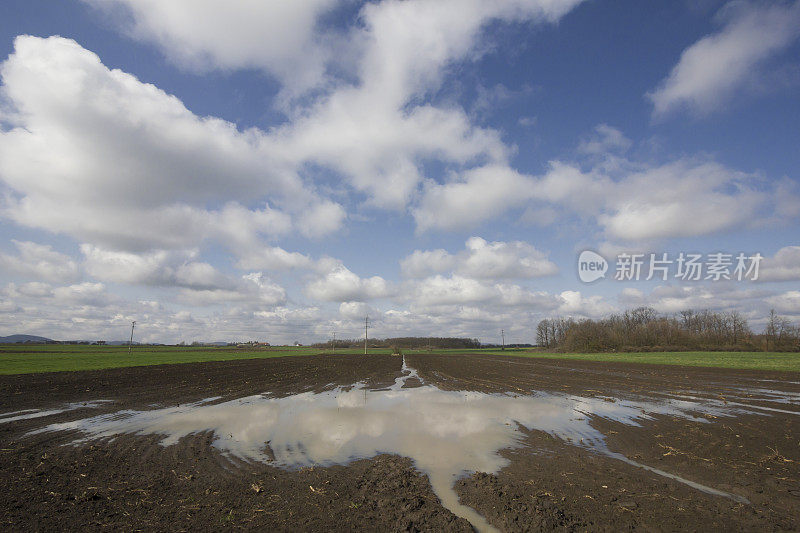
x=591 y=266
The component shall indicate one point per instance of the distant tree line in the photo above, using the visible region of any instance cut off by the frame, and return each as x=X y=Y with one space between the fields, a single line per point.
x=643 y=329
x=405 y=342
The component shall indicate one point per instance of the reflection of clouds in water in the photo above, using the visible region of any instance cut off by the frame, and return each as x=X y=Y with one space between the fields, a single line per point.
x=729 y=400
x=445 y=433
x=771 y=395
x=27 y=414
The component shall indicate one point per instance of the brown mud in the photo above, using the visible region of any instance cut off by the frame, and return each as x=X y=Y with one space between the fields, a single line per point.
x=131 y=482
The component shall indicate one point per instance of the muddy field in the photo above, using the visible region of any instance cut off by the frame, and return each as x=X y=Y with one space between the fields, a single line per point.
x=379 y=443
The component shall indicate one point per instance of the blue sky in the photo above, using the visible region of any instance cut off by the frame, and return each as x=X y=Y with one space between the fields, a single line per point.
x=226 y=170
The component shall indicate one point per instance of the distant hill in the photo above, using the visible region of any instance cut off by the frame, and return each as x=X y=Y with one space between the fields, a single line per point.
x=23 y=338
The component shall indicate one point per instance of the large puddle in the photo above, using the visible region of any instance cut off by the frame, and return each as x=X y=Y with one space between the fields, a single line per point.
x=447 y=434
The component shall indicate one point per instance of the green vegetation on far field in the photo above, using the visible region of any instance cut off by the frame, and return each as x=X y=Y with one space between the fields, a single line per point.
x=27 y=358
x=781 y=361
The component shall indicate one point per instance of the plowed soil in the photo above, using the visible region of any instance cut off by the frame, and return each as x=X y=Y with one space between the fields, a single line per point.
x=132 y=483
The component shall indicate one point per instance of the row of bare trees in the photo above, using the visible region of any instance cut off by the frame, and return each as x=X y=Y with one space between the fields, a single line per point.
x=780 y=334
x=644 y=329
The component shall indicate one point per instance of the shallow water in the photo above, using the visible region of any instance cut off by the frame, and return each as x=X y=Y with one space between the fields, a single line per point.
x=772 y=395
x=26 y=414
x=731 y=400
x=446 y=433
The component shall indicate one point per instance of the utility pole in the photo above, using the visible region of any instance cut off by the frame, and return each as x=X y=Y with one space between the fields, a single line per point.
x=334 y=343
x=503 y=335
x=366 y=330
x=130 y=343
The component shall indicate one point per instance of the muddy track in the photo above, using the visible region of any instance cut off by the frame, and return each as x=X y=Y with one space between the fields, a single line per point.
x=131 y=482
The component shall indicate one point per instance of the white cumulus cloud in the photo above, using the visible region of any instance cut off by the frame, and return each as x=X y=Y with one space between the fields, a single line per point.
x=276 y=36
x=711 y=70
x=101 y=156
x=39 y=261
x=342 y=285
x=481 y=260
x=783 y=266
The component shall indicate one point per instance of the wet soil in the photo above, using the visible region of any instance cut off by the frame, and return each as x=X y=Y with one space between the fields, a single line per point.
x=133 y=483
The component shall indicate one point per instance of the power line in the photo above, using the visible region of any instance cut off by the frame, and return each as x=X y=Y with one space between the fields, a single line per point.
x=366 y=333
x=130 y=343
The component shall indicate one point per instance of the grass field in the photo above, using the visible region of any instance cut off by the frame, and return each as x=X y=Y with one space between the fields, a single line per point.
x=782 y=361
x=25 y=359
